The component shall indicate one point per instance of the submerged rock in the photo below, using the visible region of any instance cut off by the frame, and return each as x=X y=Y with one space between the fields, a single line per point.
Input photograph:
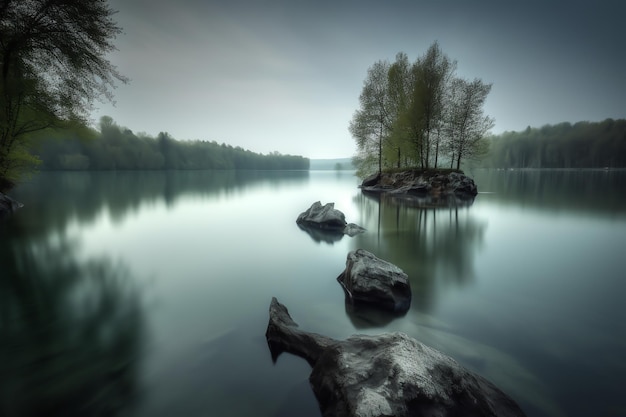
x=373 y=281
x=8 y=205
x=386 y=375
x=327 y=218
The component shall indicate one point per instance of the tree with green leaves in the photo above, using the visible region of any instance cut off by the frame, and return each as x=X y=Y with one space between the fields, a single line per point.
x=53 y=66
x=419 y=114
x=399 y=92
x=372 y=121
x=466 y=124
x=432 y=74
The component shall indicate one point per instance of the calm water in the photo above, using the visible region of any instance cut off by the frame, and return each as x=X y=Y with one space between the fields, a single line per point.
x=146 y=294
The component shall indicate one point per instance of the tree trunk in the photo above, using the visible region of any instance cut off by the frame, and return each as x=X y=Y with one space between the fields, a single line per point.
x=380 y=149
x=437 y=151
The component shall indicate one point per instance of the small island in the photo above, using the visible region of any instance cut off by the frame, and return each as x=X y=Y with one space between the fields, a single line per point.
x=421 y=182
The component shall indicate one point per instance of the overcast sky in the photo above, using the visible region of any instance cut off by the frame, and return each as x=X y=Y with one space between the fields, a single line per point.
x=286 y=75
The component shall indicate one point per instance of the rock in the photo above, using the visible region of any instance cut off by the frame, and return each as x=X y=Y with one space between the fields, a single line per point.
x=462 y=184
x=421 y=183
x=8 y=205
x=323 y=217
x=283 y=335
x=352 y=229
x=386 y=375
x=373 y=281
x=371 y=180
x=327 y=218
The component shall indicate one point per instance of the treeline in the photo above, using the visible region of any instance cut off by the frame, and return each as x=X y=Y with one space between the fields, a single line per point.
x=419 y=114
x=117 y=148
x=565 y=145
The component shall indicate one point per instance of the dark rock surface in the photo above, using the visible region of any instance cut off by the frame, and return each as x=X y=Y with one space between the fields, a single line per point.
x=327 y=218
x=386 y=375
x=352 y=229
x=8 y=205
x=370 y=280
x=421 y=183
x=283 y=335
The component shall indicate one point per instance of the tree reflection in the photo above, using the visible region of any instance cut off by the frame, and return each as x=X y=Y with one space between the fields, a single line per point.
x=70 y=333
x=588 y=192
x=121 y=193
x=427 y=243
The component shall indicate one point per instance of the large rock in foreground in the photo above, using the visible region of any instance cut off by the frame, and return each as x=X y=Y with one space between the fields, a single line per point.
x=327 y=218
x=8 y=205
x=421 y=182
x=375 y=282
x=385 y=375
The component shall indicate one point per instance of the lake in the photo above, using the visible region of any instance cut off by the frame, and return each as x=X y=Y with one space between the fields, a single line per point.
x=147 y=293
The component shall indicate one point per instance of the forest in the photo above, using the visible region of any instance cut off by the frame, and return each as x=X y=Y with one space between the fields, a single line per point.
x=564 y=145
x=118 y=148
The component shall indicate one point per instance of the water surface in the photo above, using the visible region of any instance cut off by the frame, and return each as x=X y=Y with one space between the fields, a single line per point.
x=146 y=293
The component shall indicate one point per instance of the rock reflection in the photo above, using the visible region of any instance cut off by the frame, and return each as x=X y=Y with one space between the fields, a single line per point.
x=427 y=201
x=70 y=333
x=364 y=317
x=321 y=235
x=428 y=243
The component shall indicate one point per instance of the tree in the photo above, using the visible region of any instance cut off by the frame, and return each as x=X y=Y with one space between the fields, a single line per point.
x=371 y=123
x=415 y=114
x=466 y=123
x=431 y=76
x=399 y=92
x=52 y=67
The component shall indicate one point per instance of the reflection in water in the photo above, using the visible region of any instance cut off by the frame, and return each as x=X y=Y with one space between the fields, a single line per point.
x=123 y=192
x=321 y=235
x=530 y=309
x=590 y=192
x=363 y=316
x=426 y=201
x=425 y=243
x=70 y=333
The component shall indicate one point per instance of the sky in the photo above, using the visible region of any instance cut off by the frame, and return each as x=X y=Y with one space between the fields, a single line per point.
x=274 y=75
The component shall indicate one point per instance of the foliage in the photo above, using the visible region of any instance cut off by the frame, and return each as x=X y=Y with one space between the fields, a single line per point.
x=371 y=123
x=466 y=126
x=581 y=145
x=419 y=114
x=431 y=77
x=52 y=67
x=117 y=148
